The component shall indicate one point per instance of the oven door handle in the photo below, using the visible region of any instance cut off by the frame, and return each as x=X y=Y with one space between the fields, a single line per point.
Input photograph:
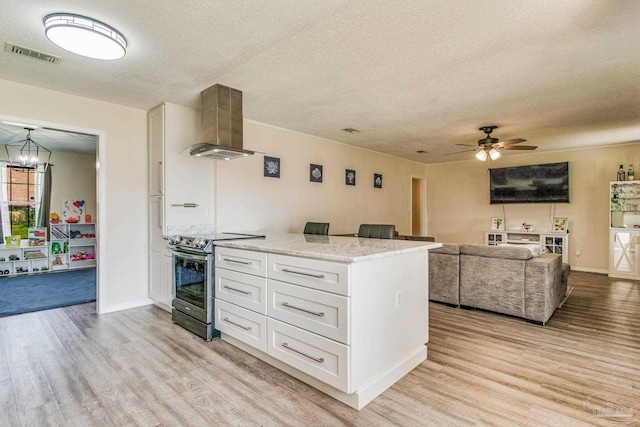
x=189 y=256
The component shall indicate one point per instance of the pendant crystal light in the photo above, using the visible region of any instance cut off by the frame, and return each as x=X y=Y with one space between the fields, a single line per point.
x=27 y=153
x=85 y=36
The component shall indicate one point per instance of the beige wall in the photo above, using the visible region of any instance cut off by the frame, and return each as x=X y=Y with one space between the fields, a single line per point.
x=459 y=209
x=122 y=152
x=73 y=176
x=248 y=201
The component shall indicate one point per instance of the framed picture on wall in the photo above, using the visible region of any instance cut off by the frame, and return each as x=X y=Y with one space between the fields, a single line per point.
x=272 y=167
x=315 y=173
x=349 y=177
x=560 y=225
x=497 y=223
x=377 y=180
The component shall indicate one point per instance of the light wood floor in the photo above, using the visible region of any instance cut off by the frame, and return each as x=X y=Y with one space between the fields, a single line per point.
x=69 y=366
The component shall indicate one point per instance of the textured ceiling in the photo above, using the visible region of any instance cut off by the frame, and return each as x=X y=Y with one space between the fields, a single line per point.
x=411 y=75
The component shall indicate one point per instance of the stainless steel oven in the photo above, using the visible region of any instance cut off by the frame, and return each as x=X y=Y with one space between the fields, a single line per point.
x=194 y=281
x=193 y=278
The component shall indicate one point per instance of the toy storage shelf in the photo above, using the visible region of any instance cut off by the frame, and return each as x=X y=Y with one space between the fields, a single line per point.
x=23 y=260
x=73 y=244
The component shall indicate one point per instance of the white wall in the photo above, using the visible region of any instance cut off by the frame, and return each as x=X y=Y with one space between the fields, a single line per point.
x=248 y=201
x=73 y=176
x=459 y=209
x=122 y=153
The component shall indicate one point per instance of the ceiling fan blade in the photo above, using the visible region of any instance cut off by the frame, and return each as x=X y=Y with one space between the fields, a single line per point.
x=458 y=152
x=468 y=145
x=511 y=141
x=520 y=147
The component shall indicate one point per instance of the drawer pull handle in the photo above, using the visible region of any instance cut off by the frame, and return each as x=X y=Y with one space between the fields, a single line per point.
x=236 y=261
x=246 y=328
x=315 y=313
x=237 y=290
x=185 y=205
x=317 y=359
x=317 y=276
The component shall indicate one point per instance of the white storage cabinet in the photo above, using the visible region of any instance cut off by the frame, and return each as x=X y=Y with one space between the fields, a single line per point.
x=624 y=229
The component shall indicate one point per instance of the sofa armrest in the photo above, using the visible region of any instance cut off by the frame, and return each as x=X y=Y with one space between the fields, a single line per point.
x=542 y=287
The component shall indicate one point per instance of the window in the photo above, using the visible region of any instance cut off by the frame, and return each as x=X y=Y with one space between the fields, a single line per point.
x=19 y=197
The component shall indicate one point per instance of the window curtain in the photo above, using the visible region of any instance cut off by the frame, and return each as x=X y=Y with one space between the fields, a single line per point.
x=5 y=221
x=45 y=198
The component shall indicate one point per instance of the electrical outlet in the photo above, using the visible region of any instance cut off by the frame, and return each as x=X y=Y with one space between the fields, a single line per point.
x=578 y=252
x=398 y=298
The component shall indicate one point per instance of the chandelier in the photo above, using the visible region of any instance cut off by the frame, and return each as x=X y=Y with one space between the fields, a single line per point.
x=27 y=153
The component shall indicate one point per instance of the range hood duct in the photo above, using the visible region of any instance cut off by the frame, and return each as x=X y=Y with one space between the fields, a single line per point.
x=221 y=113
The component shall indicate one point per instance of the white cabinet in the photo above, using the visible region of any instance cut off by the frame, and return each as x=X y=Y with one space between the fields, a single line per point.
x=187 y=183
x=624 y=232
x=624 y=250
x=160 y=279
x=72 y=245
x=348 y=329
x=23 y=260
x=549 y=242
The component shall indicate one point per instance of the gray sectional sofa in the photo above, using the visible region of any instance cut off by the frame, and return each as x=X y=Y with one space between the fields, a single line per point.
x=503 y=279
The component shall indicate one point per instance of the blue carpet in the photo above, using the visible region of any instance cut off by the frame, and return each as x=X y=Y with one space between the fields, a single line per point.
x=35 y=292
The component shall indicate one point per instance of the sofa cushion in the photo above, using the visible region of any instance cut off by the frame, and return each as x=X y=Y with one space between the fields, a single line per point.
x=447 y=248
x=506 y=252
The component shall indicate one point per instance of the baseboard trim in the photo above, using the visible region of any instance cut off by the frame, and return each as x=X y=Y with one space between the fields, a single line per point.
x=124 y=306
x=590 y=270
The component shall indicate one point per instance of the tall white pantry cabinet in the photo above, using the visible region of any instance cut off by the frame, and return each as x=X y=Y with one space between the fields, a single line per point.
x=180 y=189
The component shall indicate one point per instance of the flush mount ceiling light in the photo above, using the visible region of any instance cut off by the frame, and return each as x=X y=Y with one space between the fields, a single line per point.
x=85 y=36
x=27 y=153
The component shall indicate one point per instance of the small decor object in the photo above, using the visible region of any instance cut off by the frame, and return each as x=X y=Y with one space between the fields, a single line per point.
x=315 y=173
x=272 y=167
x=560 y=224
x=57 y=261
x=54 y=218
x=73 y=211
x=526 y=227
x=12 y=241
x=350 y=177
x=497 y=223
x=621 y=174
x=631 y=174
x=377 y=180
x=87 y=219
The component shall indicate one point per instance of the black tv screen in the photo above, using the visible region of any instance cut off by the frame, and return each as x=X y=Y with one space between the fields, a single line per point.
x=547 y=183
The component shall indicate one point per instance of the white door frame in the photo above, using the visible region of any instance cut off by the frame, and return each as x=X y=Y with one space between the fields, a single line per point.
x=101 y=205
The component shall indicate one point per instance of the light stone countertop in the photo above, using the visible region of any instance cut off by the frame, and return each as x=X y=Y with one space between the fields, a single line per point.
x=330 y=248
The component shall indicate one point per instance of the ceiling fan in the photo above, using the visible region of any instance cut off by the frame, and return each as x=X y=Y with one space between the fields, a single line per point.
x=488 y=146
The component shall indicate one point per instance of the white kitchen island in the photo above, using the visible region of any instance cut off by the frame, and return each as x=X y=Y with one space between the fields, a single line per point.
x=346 y=315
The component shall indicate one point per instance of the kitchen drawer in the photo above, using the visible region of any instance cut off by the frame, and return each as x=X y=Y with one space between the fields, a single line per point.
x=242 y=289
x=314 y=355
x=323 y=275
x=323 y=313
x=240 y=260
x=244 y=325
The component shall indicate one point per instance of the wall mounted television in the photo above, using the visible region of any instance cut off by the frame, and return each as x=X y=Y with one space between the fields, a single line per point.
x=546 y=183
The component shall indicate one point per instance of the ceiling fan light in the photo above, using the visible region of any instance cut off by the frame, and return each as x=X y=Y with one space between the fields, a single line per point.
x=481 y=155
x=495 y=154
x=85 y=36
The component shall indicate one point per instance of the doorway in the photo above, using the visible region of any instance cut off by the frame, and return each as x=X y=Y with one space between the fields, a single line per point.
x=418 y=206
x=73 y=177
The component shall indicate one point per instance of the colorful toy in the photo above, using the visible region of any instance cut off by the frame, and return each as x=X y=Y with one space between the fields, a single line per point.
x=54 y=218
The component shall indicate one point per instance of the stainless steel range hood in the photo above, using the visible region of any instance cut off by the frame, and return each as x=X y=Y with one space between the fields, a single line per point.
x=221 y=112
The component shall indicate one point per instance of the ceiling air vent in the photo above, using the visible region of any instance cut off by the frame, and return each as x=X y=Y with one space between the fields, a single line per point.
x=11 y=48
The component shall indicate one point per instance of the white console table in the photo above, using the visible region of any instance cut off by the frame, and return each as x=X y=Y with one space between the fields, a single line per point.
x=549 y=241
